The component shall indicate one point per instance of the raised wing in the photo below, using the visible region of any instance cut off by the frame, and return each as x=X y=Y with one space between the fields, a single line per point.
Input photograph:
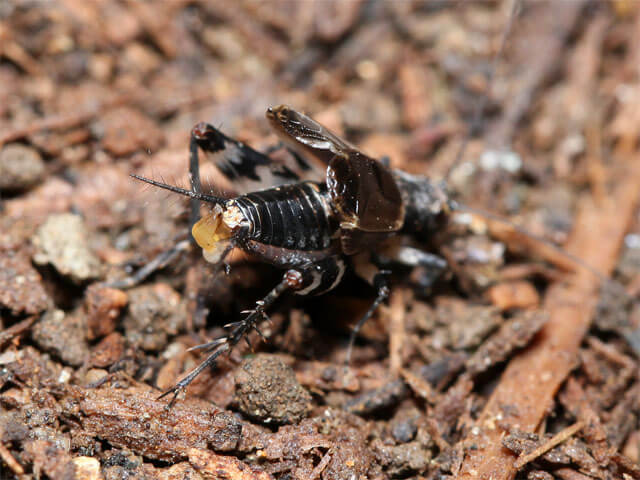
x=365 y=193
x=362 y=189
x=306 y=136
x=247 y=169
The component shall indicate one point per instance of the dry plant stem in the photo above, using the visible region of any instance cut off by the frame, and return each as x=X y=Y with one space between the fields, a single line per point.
x=397 y=332
x=16 y=330
x=557 y=439
x=527 y=388
x=317 y=471
x=569 y=474
x=10 y=460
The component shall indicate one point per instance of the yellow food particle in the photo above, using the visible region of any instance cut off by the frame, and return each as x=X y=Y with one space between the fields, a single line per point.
x=210 y=230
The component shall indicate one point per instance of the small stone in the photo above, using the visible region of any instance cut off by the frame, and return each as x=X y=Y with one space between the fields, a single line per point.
x=103 y=306
x=63 y=335
x=409 y=458
x=21 y=167
x=267 y=390
x=94 y=375
x=154 y=313
x=21 y=289
x=63 y=242
x=87 y=468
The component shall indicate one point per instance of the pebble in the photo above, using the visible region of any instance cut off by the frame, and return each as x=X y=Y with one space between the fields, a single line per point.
x=154 y=313
x=21 y=167
x=87 y=468
x=21 y=288
x=63 y=335
x=103 y=306
x=63 y=242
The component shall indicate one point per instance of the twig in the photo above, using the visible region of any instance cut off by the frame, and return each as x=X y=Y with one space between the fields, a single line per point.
x=397 y=334
x=557 y=439
x=16 y=330
x=317 y=471
x=10 y=460
x=419 y=386
x=570 y=474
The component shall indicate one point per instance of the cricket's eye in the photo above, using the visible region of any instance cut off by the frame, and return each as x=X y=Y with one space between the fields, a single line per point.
x=283 y=114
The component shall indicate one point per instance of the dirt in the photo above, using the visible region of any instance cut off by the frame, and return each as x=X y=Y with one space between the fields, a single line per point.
x=510 y=366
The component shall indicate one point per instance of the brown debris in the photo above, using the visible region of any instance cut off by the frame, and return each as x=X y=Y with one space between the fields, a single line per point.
x=108 y=351
x=21 y=288
x=154 y=313
x=20 y=167
x=513 y=334
x=103 y=306
x=533 y=377
x=49 y=459
x=134 y=419
x=10 y=460
x=127 y=130
x=63 y=334
x=267 y=391
x=327 y=376
x=507 y=296
x=213 y=466
x=397 y=333
x=548 y=445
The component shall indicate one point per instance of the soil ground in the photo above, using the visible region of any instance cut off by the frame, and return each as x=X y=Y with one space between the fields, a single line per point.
x=517 y=364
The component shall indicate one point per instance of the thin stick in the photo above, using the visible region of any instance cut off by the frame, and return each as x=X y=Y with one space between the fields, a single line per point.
x=554 y=441
x=317 y=471
x=10 y=460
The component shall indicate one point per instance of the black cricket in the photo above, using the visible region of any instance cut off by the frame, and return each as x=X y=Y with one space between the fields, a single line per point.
x=312 y=227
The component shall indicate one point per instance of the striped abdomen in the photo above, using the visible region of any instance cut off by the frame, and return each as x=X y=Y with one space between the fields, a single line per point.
x=293 y=216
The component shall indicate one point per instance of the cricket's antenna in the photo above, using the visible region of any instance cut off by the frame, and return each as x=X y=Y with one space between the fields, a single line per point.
x=480 y=105
x=576 y=261
x=188 y=193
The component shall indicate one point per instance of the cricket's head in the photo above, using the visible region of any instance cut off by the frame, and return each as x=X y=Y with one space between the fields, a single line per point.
x=214 y=232
x=285 y=121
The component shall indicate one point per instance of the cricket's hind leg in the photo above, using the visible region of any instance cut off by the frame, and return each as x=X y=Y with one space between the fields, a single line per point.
x=370 y=270
x=432 y=265
x=311 y=278
x=380 y=283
